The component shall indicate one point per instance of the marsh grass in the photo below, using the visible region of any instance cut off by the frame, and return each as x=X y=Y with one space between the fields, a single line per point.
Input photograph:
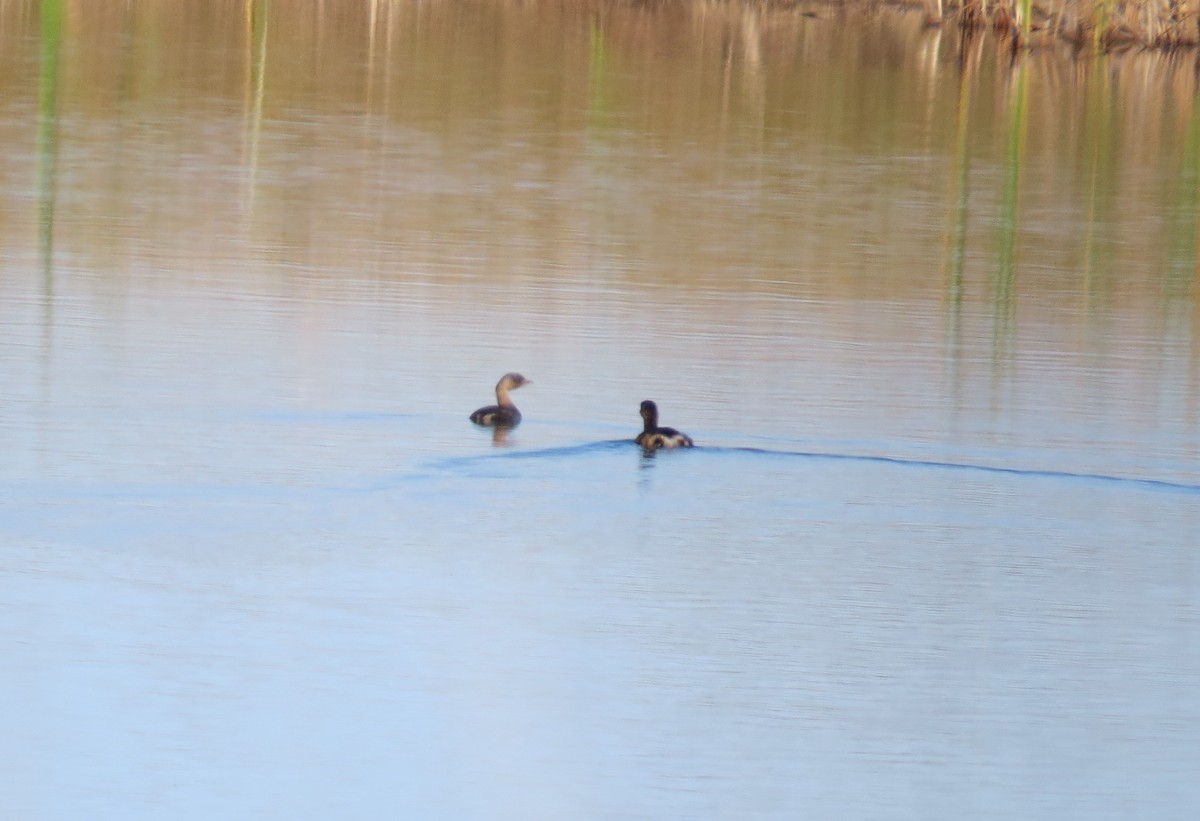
x=1098 y=25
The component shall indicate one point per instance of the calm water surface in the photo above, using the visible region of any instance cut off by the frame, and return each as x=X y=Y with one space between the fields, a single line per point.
x=931 y=317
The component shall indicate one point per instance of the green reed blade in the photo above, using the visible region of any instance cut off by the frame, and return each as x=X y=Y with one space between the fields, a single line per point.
x=47 y=133
x=1004 y=281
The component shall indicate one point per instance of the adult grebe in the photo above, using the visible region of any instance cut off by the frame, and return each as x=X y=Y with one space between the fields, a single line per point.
x=504 y=413
x=653 y=437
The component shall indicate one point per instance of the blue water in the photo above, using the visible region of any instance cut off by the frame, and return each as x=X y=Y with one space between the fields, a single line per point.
x=577 y=630
x=933 y=557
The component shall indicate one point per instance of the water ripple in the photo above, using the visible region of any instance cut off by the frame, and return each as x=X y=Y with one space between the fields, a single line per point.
x=618 y=444
x=933 y=463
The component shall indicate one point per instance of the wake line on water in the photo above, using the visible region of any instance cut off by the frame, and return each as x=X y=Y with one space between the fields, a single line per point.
x=540 y=453
x=614 y=444
x=1165 y=484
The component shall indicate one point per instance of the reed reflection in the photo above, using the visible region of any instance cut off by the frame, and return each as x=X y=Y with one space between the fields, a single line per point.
x=812 y=156
x=47 y=138
x=1004 y=281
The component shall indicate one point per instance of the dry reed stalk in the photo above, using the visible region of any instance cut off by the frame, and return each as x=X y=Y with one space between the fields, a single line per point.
x=1101 y=25
x=933 y=12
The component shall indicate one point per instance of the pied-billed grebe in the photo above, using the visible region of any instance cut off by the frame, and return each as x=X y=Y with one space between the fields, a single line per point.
x=504 y=413
x=653 y=437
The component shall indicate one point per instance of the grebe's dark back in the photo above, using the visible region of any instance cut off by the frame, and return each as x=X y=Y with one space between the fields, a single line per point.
x=653 y=437
x=504 y=413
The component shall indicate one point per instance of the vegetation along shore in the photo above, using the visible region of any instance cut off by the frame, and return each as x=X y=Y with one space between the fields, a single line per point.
x=1096 y=25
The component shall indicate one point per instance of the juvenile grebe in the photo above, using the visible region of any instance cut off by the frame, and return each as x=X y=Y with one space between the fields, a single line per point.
x=504 y=413
x=653 y=437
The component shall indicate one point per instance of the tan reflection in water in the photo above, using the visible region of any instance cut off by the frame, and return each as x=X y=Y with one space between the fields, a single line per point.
x=690 y=146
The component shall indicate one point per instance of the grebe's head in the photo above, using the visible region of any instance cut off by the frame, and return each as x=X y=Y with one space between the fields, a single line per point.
x=513 y=381
x=649 y=411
